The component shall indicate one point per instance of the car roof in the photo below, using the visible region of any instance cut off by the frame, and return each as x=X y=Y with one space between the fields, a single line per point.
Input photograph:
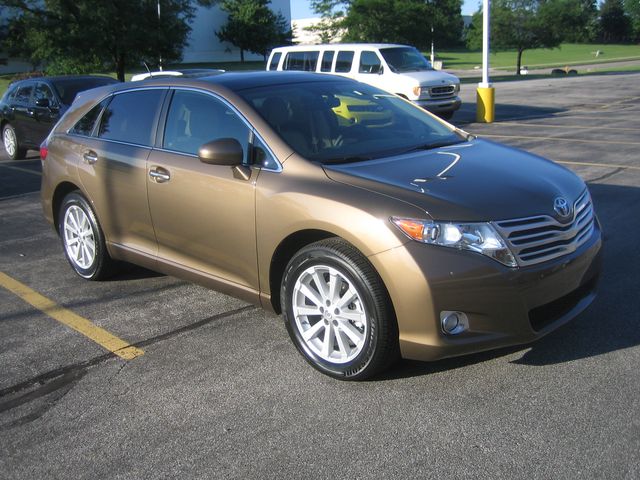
x=340 y=46
x=237 y=81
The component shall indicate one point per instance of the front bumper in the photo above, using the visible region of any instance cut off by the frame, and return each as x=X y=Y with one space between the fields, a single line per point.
x=505 y=306
x=440 y=106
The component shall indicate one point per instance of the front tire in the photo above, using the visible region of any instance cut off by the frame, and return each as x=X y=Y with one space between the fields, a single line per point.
x=82 y=239
x=337 y=311
x=11 y=144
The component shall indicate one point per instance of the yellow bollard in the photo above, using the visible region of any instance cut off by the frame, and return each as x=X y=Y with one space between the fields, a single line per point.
x=485 y=104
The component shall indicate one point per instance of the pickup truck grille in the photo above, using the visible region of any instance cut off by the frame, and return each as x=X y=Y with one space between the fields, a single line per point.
x=538 y=239
x=441 y=92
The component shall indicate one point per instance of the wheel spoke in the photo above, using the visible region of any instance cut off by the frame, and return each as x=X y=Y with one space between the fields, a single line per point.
x=352 y=315
x=343 y=343
x=313 y=331
x=327 y=343
x=311 y=295
x=349 y=296
x=306 y=310
x=333 y=286
x=352 y=332
x=321 y=285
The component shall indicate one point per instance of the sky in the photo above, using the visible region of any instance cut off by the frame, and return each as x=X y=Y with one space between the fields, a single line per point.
x=302 y=9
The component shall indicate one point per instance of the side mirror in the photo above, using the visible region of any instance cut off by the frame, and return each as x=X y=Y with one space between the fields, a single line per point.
x=224 y=151
x=42 y=102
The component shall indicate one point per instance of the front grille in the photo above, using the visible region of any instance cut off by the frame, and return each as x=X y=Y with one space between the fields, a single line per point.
x=442 y=91
x=538 y=239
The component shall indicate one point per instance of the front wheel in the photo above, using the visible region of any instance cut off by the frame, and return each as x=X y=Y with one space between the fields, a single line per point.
x=11 y=144
x=446 y=115
x=338 y=312
x=82 y=239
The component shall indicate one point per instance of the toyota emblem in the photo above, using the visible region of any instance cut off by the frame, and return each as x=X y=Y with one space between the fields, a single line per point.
x=561 y=206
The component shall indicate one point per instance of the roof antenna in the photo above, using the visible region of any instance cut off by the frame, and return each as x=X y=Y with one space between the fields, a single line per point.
x=148 y=70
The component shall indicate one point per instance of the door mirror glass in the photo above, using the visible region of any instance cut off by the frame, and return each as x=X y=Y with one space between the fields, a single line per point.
x=224 y=151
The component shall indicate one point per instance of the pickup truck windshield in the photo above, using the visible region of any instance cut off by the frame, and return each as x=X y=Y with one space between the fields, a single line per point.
x=405 y=59
x=344 y=121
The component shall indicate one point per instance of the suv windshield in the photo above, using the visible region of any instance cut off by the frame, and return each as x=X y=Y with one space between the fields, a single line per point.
x=405 y=59
x=344 y=121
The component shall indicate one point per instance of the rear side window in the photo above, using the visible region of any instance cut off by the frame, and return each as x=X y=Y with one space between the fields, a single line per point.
x=23 y=95
x=303 y=61
x=273 y=65
x=369 y=62
x=327 y=60
x=344 y=61
x=131 y=117
x=85 y=124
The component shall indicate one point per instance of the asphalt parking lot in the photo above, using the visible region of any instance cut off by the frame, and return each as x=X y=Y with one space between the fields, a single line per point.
x=215 y=388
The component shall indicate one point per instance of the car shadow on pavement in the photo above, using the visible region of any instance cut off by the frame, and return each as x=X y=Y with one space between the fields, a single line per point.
x=504 y=112
x=610 y=324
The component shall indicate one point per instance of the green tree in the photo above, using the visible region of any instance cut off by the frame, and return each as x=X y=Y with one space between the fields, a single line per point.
x=331 y=14
x=615 y=25
x=405 y=21
x=632 y=9
x=252 y=26
x=82 y=35
x=519 y=25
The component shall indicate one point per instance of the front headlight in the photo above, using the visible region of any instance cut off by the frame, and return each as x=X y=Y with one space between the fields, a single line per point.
x=477 y=237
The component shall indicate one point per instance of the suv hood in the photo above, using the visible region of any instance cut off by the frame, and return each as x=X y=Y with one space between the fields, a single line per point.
x=432 y=78
x=474 y=181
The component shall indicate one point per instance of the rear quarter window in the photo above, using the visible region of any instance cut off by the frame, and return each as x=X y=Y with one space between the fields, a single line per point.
x=86 y=124
x=131 y=117
x=273 y=64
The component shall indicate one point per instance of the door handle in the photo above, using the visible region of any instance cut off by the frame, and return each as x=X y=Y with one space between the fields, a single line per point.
x=90 y=157
x=159 y=175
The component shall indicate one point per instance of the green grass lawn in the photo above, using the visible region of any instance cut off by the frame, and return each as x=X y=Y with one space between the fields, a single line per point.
x=566 y=54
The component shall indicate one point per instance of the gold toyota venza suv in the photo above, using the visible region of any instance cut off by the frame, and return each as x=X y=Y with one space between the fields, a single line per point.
x=411 y=238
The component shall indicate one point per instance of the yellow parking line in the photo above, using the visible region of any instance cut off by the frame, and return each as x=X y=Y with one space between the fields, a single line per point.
x=561 y=139
x=26 y=170
x=70 y=319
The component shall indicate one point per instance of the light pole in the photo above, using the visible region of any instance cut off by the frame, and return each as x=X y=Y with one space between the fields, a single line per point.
x=433 y=55
x=485 y=97
x=159 y=34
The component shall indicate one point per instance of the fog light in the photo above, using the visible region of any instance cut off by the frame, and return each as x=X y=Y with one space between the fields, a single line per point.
x=453 y=323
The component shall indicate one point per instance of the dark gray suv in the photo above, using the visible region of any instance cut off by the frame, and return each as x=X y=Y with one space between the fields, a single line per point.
x=30 y=108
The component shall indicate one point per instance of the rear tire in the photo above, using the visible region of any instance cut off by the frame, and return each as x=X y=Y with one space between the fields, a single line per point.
x=338 y=312
x=82 y=239
x=11 y=143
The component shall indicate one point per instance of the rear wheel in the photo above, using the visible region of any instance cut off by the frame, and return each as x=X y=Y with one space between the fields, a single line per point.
x=11 y=144
x=338 y=312
x=82 y=239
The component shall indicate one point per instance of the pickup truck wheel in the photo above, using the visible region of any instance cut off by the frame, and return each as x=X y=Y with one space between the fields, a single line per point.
x=338 y=312
x=82 y=239
x=11 y=144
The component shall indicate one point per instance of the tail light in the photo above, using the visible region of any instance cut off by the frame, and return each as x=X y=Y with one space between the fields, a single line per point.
x=44 y=150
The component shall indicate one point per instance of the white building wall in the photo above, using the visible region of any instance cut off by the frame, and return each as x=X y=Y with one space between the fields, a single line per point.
x=204 y=45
